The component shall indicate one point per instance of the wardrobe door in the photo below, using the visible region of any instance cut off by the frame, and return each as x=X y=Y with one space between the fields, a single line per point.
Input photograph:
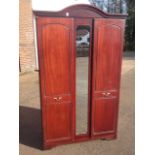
x=55 y=36
x=108 y=39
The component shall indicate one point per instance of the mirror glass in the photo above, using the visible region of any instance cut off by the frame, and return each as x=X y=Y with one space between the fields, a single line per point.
x=82 y=67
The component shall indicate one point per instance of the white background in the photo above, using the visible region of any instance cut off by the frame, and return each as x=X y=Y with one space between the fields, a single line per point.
x=55 y=5
x=145 y=77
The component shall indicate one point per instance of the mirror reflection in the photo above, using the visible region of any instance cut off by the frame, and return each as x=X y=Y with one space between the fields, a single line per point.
x=82 y=67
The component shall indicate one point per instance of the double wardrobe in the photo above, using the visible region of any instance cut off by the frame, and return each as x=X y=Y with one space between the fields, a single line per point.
x=80 y=54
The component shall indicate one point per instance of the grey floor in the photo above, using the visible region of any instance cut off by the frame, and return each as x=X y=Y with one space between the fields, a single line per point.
x=30 y=122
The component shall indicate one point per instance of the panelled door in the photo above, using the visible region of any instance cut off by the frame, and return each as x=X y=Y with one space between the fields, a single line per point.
x=108 y=37
x=55 y=36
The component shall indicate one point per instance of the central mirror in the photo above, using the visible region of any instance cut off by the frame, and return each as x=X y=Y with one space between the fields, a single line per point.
x=82 y=75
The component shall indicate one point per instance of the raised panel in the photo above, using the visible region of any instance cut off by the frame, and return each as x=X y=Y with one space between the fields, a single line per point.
x=58 y=120
x=56 y=59
x=108 y=57
x=104 y=116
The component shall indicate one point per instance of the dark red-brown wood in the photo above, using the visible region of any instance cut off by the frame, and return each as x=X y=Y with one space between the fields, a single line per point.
x=108 y=38
x=80 y=10
x=57 y=78
x=56 y=35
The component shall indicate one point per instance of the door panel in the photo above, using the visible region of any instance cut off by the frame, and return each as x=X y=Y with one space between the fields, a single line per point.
x=108 y=57
x=104 y=115
x=56 y=59
x=106 y=75
x=58 y=120
x=55 y=37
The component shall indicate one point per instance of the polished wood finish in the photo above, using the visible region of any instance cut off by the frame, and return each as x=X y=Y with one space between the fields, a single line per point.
x=78 y=11
x=57 y=78
x=108 y=39
x=56 y=35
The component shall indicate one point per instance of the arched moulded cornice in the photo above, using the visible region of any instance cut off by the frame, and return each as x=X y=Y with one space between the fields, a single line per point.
x=80 y=11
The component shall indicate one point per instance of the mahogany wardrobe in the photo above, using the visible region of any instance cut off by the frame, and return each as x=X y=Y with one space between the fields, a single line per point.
x=80 y=52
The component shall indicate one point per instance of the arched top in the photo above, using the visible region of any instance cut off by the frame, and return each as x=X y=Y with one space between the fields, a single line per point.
x=80 y=10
